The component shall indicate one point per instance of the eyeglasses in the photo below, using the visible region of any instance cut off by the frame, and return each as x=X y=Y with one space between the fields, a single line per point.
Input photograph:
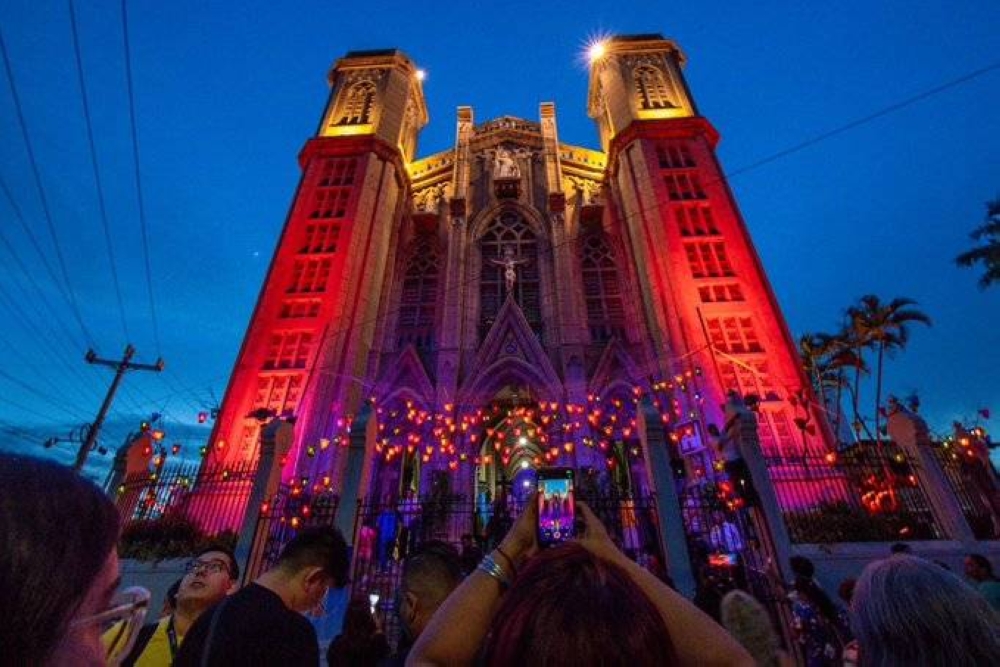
x=208 y=566
x=120 y=622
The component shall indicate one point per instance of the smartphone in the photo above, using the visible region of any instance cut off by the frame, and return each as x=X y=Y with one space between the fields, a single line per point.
x=556 y=506
x=722 y=560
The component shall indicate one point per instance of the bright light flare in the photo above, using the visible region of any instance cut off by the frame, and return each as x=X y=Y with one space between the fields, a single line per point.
x=421 y=74
x=596 y=50
x=594 y=47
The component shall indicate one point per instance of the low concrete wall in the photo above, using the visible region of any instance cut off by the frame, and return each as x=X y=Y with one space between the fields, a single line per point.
x=839 y=561
x=157 y=576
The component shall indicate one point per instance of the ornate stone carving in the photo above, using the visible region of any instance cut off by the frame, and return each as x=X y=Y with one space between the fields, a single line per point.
x=591 y=190
x=428 y=199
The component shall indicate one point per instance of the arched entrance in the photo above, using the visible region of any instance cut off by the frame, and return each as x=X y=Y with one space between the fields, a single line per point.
x=509 y=456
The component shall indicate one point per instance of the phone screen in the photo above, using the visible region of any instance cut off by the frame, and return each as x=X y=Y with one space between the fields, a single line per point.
x=722 y=560
x=556 y=509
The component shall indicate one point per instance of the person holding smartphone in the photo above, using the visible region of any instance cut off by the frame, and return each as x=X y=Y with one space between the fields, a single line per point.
x=582 y=602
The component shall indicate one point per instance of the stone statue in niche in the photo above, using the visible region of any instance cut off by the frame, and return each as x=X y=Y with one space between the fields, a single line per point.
x=504 y=165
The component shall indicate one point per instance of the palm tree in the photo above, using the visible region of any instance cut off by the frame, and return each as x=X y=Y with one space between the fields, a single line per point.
x=853 y=340
x=884 y=327
x=989 y=254
x=824 y=358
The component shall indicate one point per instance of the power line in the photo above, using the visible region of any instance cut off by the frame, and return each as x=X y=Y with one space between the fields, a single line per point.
x=138 y=177
x=41 y=335
x=97 y=172
x=56 y=317
x=41 y=190
x=45 y=397
x=795 y=148
x=723 y=177
x=54 y=349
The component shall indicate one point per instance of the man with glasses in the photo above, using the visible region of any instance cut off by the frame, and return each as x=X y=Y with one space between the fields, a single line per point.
x=263 y=624
x=209 y=577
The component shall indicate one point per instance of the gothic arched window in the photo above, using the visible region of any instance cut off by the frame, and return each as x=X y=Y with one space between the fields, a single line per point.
x=356 y=108
x=651 y=88
x=602 y=290
x=509 y=230
x=418 y=298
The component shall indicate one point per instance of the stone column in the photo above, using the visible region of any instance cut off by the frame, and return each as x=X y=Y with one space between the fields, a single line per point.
x=356 y=472
x=742 y=428
x=910 y=433
x=275 y=441
x=672 y=538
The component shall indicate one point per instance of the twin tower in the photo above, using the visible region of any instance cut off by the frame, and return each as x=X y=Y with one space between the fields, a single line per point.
x=515 y=301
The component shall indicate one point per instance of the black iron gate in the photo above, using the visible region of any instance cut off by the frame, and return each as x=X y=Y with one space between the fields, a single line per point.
x=387 y=532
x=281 y=517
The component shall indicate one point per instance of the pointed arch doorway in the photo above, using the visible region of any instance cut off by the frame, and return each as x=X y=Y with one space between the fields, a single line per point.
x=512 y=450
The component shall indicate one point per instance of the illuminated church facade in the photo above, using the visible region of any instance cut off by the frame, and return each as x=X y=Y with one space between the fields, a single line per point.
x=449 y=323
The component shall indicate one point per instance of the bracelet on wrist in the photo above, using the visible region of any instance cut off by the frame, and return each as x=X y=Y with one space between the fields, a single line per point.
x=506 y=557
x=493 y=569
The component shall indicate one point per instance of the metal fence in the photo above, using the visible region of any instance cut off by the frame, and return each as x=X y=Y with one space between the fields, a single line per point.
x=973 y=483
x=387 y=533
x=281 y=517
x=214 y=499
x=864 y=494
x=730 y=547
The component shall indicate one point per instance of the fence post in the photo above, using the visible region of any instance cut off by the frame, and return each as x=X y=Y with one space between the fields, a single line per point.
x=668 y=506
x=275 y=436
x=743 y=430
x=910 y=433
x=354 y=472
x=117 y=474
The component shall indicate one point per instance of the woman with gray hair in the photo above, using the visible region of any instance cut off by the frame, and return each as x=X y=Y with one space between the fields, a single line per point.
x=908 y=611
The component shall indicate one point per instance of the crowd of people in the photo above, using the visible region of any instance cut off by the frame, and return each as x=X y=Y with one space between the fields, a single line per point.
x=582 y=603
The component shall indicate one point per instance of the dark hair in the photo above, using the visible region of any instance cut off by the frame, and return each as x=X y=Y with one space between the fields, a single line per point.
x=900 y=548
x=172 y=593
x=983 y=562
x=358 y=621
x=802 y=566
x=360 y=643
x=234 y=567
x=569 y=607
x=845 y=591
x=57 y=530
x=317 y=547
x=432 y=573
x=805 y=585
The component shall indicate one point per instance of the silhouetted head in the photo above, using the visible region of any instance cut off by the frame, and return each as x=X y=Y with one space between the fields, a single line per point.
x=428 y=578
x=569 y=607
x=802 y=567
x=312 y=562
x=57 y=562
x=908 y=611
x=978 y=568
x=358 y=620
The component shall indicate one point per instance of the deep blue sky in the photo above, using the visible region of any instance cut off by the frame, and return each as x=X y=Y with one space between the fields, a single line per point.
x=226 y=95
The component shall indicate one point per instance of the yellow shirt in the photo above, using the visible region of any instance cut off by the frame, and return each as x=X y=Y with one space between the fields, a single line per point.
x=157 y=652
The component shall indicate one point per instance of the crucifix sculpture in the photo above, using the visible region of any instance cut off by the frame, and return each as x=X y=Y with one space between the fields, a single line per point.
x=509 y=262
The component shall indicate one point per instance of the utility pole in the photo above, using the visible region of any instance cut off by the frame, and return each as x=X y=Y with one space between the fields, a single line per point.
x=120 y=367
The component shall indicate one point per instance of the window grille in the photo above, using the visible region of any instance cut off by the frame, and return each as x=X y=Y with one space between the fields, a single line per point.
x=509 y=230
x=357 y=105
x=602 y=290
x=651 y=88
